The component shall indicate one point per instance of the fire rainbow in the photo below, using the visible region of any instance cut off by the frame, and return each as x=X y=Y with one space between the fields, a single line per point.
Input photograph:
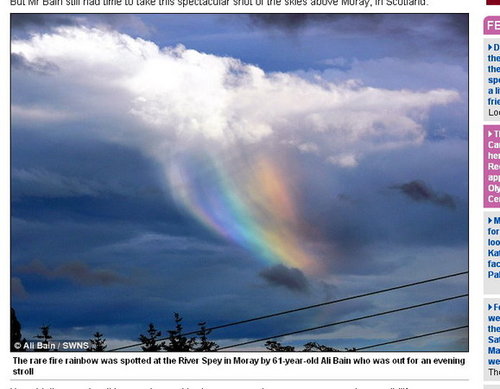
x=247 y=203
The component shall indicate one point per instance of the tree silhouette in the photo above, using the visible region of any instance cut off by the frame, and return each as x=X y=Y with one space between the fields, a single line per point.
x=150 y=341
x=17 y=341
x=313 y=346
x=177 y=341
x=98 y=343
x=46 y=338
x=204 y=343
x=273 y=345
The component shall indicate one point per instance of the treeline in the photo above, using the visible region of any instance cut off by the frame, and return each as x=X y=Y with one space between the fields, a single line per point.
x=153 y=340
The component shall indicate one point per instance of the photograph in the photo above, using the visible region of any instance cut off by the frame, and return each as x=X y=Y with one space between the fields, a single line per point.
x=239 y=182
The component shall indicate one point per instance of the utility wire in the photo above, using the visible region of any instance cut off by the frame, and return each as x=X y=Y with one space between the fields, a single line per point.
x=344 y=321
x=308 y=307
x=411 y=337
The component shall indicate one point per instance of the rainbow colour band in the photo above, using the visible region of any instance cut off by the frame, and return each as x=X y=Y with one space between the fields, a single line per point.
x=249 y=204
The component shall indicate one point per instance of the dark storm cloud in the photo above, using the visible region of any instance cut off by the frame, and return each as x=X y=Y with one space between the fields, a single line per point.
x=46 y=22
x=289 y=278
x=458 y=23
x=44 y=67
x=290 y=22
x=75 y=271
x=28 y=21
x=447 y=32
x=419 y=191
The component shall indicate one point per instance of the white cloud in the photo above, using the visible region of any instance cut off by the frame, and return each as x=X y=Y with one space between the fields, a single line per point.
x=39 y=114
x=40 y=182
x=345 y=160
x=158 y=95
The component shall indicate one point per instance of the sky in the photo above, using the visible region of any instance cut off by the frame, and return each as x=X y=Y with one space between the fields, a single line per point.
x=230 y=166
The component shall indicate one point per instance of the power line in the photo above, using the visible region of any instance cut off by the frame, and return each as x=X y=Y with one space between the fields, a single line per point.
x=308 y=307
x=332 y=302
x=344 y=321
x=412 y=337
